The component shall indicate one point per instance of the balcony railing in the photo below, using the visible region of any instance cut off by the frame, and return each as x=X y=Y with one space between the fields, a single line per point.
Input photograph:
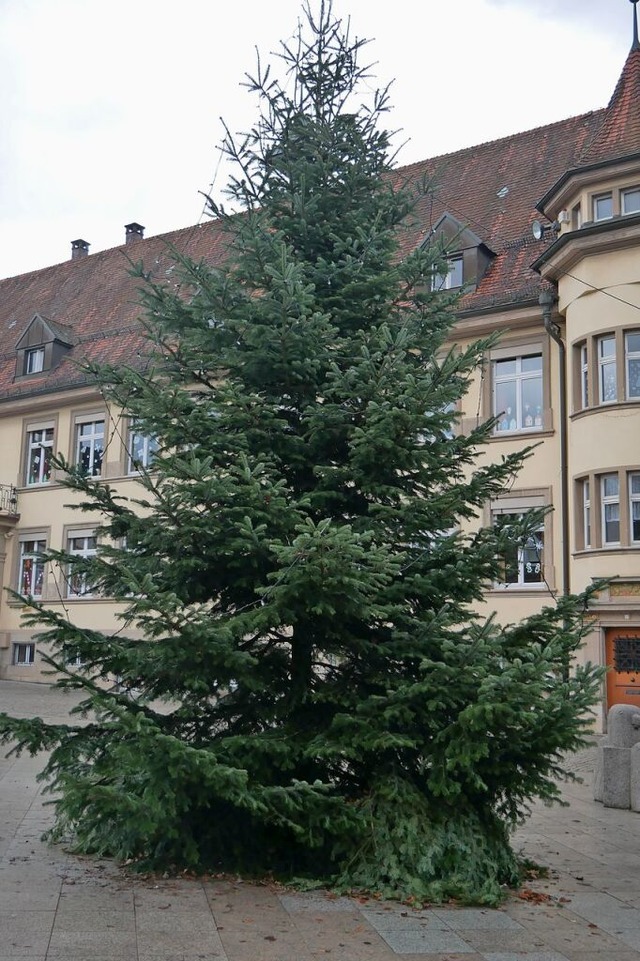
x=8 y=500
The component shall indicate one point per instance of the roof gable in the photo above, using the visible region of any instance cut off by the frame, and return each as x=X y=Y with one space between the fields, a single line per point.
x=41 y=331
x=454 y=235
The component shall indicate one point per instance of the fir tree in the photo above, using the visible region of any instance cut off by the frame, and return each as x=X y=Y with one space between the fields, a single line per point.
x=304 y=688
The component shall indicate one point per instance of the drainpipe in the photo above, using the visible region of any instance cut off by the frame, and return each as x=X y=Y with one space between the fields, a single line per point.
x=546 y=301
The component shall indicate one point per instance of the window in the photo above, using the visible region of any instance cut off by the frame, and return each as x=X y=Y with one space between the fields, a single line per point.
x=586 y=512
x=141 y=451
x=608 y=510
x=83 y=544
x=31 y=567
x=631 y=201
x=634 y=507
x=39 y=451
x=603 y=207
x=90 y=446
x=607 y=377
x=610 y=504
x=584 y=376
x=517 y=393
x=453 y=276
x=34 y=360
x=522 y=562
x=632 y=361
x=23 y=654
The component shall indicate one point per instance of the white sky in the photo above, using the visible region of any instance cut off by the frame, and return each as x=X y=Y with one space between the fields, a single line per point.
x=111 y=110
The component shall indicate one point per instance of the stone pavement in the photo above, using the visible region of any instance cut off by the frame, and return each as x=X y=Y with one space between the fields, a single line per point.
x=56 y=906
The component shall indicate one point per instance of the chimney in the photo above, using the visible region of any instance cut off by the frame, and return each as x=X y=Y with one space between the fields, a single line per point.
x=79 y=248
x=133 y=232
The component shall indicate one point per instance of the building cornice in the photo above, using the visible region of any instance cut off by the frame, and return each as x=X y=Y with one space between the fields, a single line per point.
x=557 y=197
x=571 y=247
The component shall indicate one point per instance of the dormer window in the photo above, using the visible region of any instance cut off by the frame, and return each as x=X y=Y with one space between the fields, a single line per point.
x=42 y=346
x=465 y=258
x=453 y=276
x=603 y=206
x=34 y=360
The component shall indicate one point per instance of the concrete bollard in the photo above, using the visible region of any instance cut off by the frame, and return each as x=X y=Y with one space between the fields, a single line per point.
x=617 y=776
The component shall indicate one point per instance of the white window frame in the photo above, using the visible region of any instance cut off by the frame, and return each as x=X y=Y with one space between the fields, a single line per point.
x=630 y=355
x=90 y=433
x=39 y=441
x=34 y=360
x=595 y=202
x=520 y=377
x=27 y=649
x=586 y=512
x=31 y=545
x=623 y=198
x=515 y=505
x=87 y=547
x=455 y=265
x=537 y=539
x=149 y=447
x=609 y=501
x=604 y=361
x=634 y=501
x=584 y=376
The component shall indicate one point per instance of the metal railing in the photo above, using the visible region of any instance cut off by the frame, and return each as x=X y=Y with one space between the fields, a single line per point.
x=8 y=499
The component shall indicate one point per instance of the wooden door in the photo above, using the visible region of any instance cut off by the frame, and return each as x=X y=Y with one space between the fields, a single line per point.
x=623 y=660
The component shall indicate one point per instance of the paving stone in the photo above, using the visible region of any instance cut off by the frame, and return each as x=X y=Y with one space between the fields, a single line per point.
x=395 y=917
x=526 y=956
x=314 y=903
x=480 y=919
x=423 y=940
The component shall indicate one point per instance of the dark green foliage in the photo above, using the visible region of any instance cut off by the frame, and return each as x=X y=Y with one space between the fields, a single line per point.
x=302 y=685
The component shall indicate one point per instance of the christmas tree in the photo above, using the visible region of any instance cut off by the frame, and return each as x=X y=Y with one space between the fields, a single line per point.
x=304 y=689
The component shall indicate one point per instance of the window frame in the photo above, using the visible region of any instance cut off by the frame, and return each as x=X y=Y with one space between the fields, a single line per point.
x=36 y=354
x=150 y=446
x=624 y=193
x=520 y=378
x=586 y=513
x=29 y=648
x=87 y=534
x=630 y=355
x=605 y=361
x=519 y=503
x=609 y=500
x=39 y=564
x=80 y=422
x=584 y=375
x=32 y=447
x=634 y=498
x=596 y=199
x=440 y=281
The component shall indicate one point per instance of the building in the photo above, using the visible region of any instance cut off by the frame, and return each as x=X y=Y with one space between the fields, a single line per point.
x=543 y=229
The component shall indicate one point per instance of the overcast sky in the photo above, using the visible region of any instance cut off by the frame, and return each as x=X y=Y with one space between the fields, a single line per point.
x=111 y=109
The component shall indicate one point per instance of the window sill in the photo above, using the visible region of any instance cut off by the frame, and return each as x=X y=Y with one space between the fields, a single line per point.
x=529 y=589
x=608 y=551
x=518 y=434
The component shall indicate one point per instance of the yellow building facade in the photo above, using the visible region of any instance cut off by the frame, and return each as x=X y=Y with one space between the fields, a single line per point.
x=543 y=232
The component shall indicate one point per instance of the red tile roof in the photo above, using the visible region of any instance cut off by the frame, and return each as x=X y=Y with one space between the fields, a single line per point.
x=619 y=133
x=492 y=188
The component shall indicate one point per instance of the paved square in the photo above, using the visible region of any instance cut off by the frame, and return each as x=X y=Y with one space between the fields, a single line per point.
x=57 y=907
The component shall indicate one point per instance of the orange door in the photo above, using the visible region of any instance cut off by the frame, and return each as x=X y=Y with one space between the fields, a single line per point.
x=623 y=661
